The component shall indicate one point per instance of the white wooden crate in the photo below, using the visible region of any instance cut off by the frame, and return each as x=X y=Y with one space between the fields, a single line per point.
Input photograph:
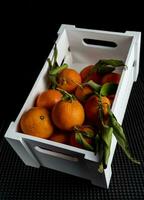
x=38 y=152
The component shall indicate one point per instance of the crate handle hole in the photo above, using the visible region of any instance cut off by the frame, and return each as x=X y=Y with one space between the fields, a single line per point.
x=55 y=154
x=103 y=43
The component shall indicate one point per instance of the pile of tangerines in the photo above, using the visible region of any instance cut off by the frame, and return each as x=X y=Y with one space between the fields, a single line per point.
x=68 y=111
x=75 y=109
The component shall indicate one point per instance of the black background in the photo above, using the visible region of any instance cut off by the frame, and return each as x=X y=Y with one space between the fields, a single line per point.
x=28 y=34
x=29 y=31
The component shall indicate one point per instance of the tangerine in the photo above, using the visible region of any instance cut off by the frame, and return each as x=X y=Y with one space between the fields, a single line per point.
x=36 y=122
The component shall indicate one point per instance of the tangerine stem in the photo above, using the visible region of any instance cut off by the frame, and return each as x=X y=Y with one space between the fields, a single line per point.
x=66 y=94
x=96 y=87
x=58 y=69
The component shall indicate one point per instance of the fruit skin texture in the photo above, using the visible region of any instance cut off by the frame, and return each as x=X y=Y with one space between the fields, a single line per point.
x=92 y=108
x=59 y=136
x=94 y=76
x=48 y=98
x=69 y=79
x=111 y=77
x=68 y=113
x=36 y=122
x=73 y=141
x=82 y=92
x=111 y=98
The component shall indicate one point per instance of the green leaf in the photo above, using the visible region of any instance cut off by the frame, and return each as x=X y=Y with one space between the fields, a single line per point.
x=108 y=89
x=120 y=136
x=49 y=63
x=66 y=95
x=96 y=87
x=87 y=134
x=54 y=69
x=101 y=168
x=52 y=82
x=80 y=139
x=112 y=62
x=107 y=65
x=101 y=114
x=106 y=136
x=58 y=69
x=55 y=55
x=105 y=69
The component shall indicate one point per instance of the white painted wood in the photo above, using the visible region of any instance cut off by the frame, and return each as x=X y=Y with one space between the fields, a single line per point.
x=19 y=146
x=56 y=154
x=137 y=46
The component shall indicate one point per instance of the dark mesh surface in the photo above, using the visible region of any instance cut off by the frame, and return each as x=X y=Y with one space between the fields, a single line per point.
x=18 y=182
